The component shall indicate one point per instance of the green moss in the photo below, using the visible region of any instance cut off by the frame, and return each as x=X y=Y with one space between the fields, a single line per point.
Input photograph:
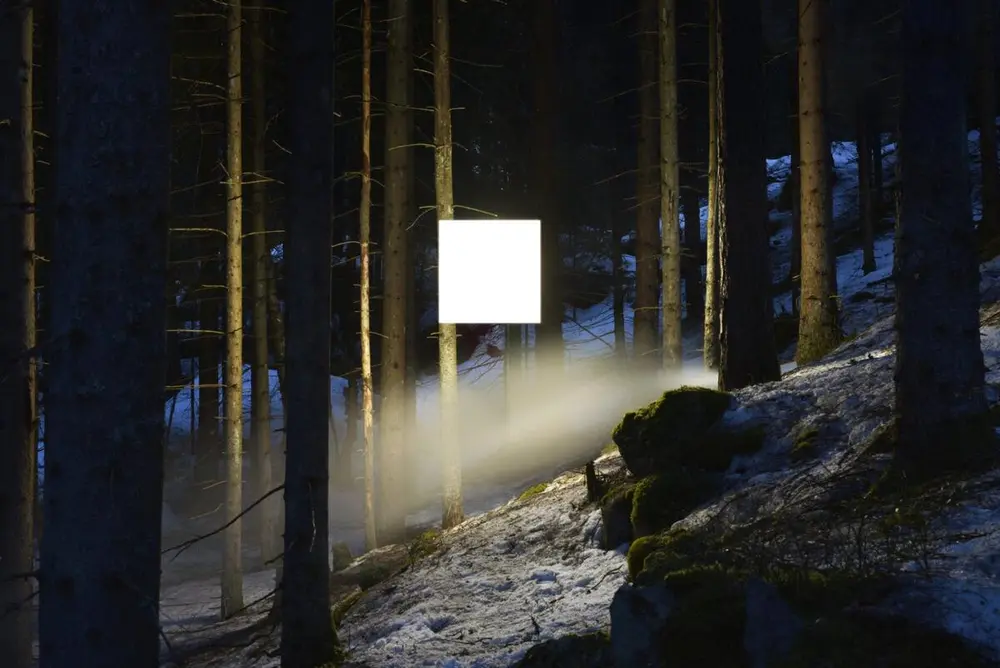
x=340 y=610
x=720 y=446
x=609 y=449
x=804 y=446
x=662 y=499
x=638 y=551
x=373 y=574
x=424 y=545
x=534 y=490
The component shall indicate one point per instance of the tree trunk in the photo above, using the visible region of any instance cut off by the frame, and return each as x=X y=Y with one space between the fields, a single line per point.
x=308 y=637
x=209 y=406
x=818 y=329
x=747 y=326
x=670 y=247
x=990 y=225
x=17 y=337
x=939 y=363
x=711 y=326
x=694 y=296
x=104 y=408
x=392 y=425
x=452 y=513
x=618 y=294
x=795 y=183
x=546 y=180
x=232 y=562
x=260 y=380
x=647 y=236
x=367 y=410
x=866 y=163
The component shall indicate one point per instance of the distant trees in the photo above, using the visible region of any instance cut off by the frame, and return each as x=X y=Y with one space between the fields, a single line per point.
x=747 y=354
x=17 y=335
x=308 y=638
x=819 y=331
x=100 y=552
x=939 y=362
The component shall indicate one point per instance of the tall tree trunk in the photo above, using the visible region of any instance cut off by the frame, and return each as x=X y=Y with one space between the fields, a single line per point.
x=647 y=236
x=818 y=329
x=104 y=408
x=546 y=179
x=232 y=562
x=276 y=335
x=670 y=247
x=367 y=410
x=694 y=297
x=795 y=247
x=17 y=336
x=452 y=513
x=875 y=128
x=260 y=379
x=392 y=425
x=711 y=326
x=866 y=163
x=936 y=265
x=990 y=224
x=307 y=635
x=209 y=405
x=747 y=325
x=618 y=289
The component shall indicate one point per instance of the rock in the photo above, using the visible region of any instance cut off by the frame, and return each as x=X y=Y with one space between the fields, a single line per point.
x=341 y=555
x=616 y=517
x=592 y=650
x=374 y=567
x=638 y=617
x=772 y=627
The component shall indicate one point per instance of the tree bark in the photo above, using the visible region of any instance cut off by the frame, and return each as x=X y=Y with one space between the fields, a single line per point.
x=307 y=635
x=939 y=363
x=694 y=296
x=866 y=163
x=104 y=408
x=618 y=290
x=711 y=322
x=260 y=379
x=795 y=183
x=232 y=561
x=392 y=425
x=747 y=326
x=367 y=409
x=647 y=235
x=990 y=224
x=452 y=513
x=207 y=442
x=17 y=336
x=819 y=332
x=670 y=247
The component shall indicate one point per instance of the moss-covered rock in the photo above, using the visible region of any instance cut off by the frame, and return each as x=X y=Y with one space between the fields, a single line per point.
x=342 y=556
x=662 y=499
x=668 y=431
x=534 y=490
x=590 y=650
x=424 y=545
x=804 y=444
x=721 y=444
x=616 y=515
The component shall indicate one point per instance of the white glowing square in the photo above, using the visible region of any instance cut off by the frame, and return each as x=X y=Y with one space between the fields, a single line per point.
x=490 y=272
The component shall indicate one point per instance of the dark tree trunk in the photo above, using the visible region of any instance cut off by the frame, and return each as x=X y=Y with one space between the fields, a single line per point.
x=795 y=185
x=694 y=291
x=939 y=363
x=307 y=635
x=104 y=424
x=747 y=336
x=866 y=163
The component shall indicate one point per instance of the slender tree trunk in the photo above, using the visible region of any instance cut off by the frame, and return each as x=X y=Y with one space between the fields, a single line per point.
x=104 y=408
x=747 y=324
x=618 y=289
x=452 y=513
x=670 y=247
x=308 y=638
x=392 y=425
x=795 y=183
x=694 y=298
x=711 y=323
x=276 y=332
x=352 y=409
x=990 y=224
x=367 y=410
x=647 y=239
x=866 y=163
x=818 y=329
x=209 y=405
x=261 y=384
x=17 y=336
x=546 y=179
x=874 y=126
x=232 y=562
x=936 y=265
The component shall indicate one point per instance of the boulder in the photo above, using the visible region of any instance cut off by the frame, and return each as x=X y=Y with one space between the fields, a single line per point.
x=591 y=650
x=638 y=618
x=772 y=626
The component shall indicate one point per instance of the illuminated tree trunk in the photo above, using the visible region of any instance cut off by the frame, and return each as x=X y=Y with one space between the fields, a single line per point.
x=670 y=248
x=452 y=513
x=367 y=410
x=104 y=423
x=990 y=224
x=260 y=408
x=647 y=236
x=308 y=638
x=818 y=329
x=17 y=336
x=392 y=424
x=711 y=323
x=232 y=563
